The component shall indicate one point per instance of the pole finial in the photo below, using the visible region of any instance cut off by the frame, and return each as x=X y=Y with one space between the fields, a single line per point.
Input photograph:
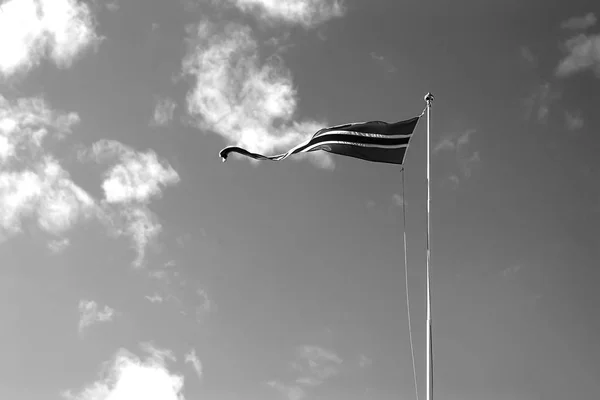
x=428 y=99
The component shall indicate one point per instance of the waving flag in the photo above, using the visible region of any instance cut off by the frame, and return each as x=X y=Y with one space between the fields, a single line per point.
x=374 y=141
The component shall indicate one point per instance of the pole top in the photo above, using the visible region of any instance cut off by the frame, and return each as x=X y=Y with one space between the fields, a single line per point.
x=428 y=98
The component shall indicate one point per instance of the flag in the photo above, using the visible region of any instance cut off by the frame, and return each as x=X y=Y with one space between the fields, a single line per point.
x=374 y=141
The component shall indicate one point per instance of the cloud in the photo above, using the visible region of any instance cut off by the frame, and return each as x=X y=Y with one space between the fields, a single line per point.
x=31 y=30
x=307 y=13
x=157 y=354
x=129 y=377
x=192 y=358
x=205 y=308
x=573 y=121
x=113 y=6
x=453 y=142
x=365 y=362
x=34 y=187
x=132 y=180
x=511 y=271
x=540 y=102
x=291 y=392
x=317 y=363
x=384 y=63
x=398 y=199
x=33 y=184
x=249 y=104
x=528 y=56
x=163 y=111
x=459 y=145
x=135 y=177
x=583 y=52
x=89 y=314
x=142 y=227
x=59 y=245
x=155 y=298
x=580 y=23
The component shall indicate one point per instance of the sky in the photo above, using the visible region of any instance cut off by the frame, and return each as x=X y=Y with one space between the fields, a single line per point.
x=135 y=264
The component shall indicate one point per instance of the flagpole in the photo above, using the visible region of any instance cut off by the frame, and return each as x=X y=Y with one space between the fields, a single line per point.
x=429 y=350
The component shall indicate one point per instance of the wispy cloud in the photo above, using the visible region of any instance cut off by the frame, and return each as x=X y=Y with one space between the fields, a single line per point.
x=205 y=307
x=90 y=314
x=192 y=358
x=583 y=52
x=33 y=184
x=364 y=361
x=384 y=63
x=314 y=365
x=31 y=30
x=57 y=246
x=131 y=182
x=307 y=13
x=511 y=271
x=157 y=354
x=291 y=392
x=573 y=120
x=540 y=101
x=129 y=377
x=459 y=145
x=317 y=362
x=163 y=111
x=113 y=6
x=249 y=104
x=398 y=200
x=528 y=56
x=155 y=298
x=580 y=23
x=135 y=177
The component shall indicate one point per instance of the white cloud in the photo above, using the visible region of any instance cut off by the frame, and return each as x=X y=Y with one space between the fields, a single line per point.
x=31 y=30
x=511 y=271
x=453 y=142
x=249 y=104
x=59 y=245
x=384 y=63
x=33 y=184
x=315 y=365
x=291 y=392
x=90 y=314
x=583 y=52
x=34 y=187
x=140 y=225
x=307 y=13
x=158 y=354
x=398 y=199
x=528 y=56
x=135 y=177
x=580 y=23
x=113 y=6
x=163 y=111
x=128 y=377
x=574 y=121
x=192 y=358
x=364 y=361
x=540 y=101
x=205 y=308
x=155 y=298
x=459 y=145
x=129 y=184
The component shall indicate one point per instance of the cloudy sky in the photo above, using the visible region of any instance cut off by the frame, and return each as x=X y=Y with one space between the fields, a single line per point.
x=134 y=264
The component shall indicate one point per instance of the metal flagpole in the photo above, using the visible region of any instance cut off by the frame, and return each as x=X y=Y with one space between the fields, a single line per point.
x=429 y=350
